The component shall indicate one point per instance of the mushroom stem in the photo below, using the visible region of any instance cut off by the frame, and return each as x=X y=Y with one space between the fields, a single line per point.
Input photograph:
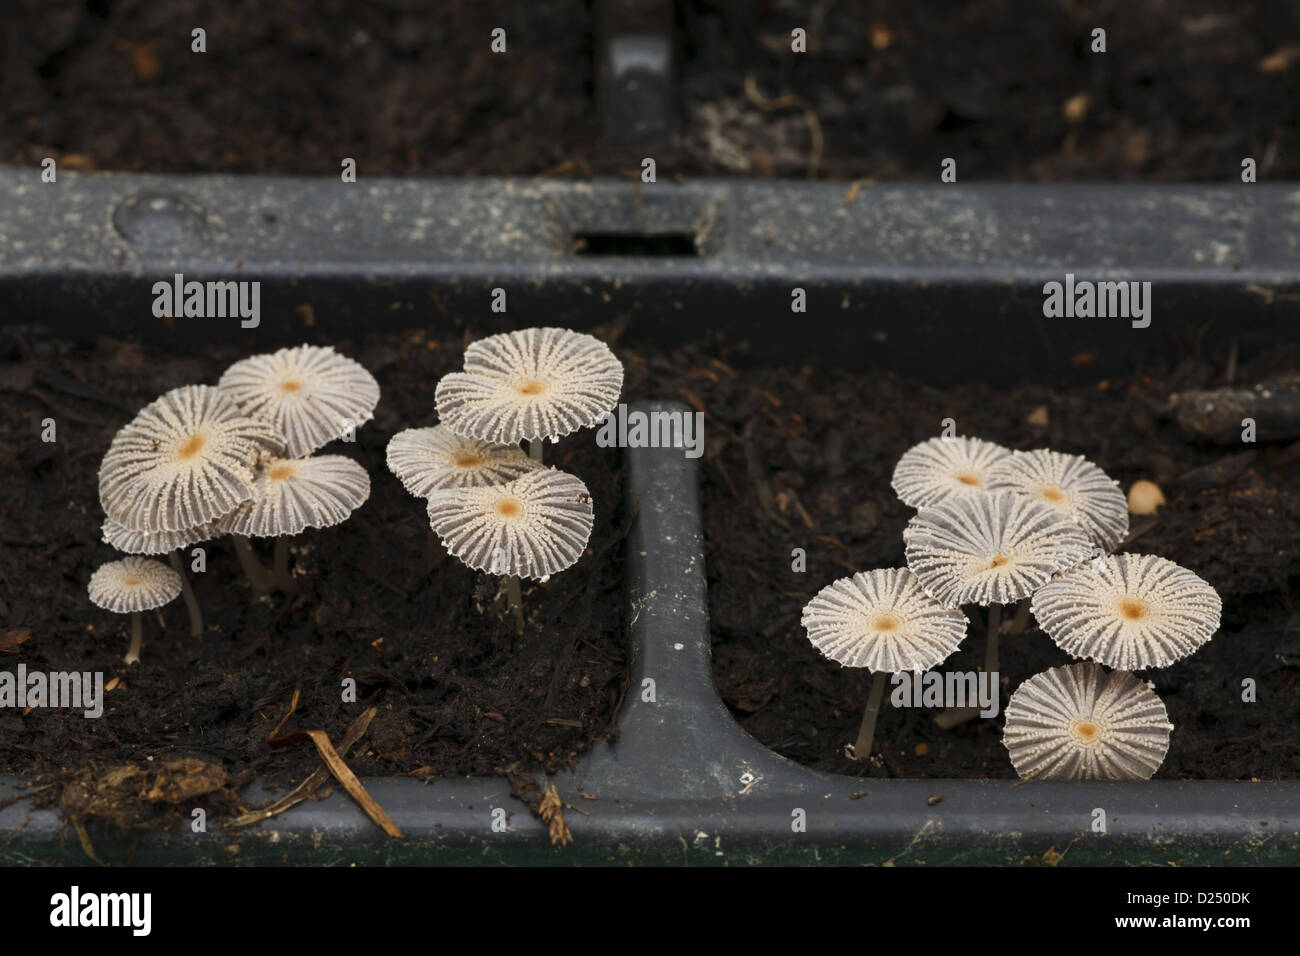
x=867 y=732
x=516 y=601
x=133 y=652
x=535 y=448
x=953 y=716
x=187 y=592
x=991 y=648
x=283 y=579
x=253 y=569
x=1018 y=623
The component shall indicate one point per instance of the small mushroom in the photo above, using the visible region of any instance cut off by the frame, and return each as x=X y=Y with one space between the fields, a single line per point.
x=1071 y=483
x=529 y=385
x=881 y=620
x=943 y=468
x=884 y=621
x=1079 y=723
x=433 y=459
x=131 y=585
x=310 y=394
x=532 y=527
x=1130 y=611
x=169 y=543
x=185 y=460
x=293 y=494
x=991 y=550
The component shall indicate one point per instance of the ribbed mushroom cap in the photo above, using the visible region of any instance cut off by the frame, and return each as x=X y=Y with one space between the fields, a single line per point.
x=883 y=621
x=530 y=384
x=293 y=494
x=1071 y=483
x=310 y=394
x=133 y=584
x=1079 y=723
x=531 y=527
x=432 y=459
x=943 y=468
x=990 y=549
x=127 y=541
x=185 y=460
x=1130 y=611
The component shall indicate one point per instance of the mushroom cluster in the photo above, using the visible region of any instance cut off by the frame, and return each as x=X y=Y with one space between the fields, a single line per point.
x=1010 y=523
x=996 y=526
x=1128 y=612
x=494 y=507
x=201 y=461
x=311 y=395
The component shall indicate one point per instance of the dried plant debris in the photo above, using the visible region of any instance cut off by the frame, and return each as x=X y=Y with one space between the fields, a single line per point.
x=1130 y=611
x=991 y=549
x=291 y=495
x=1080 y=723
x=433 y=459
x=117 y=535
x=310 y=394
x=551 y=810
x=133 y=584
x=1070 y=483
x=184 y=460
x=943 y=468
x=530 y=384
x=140 y=796
x=882 y=620
x=532 y=527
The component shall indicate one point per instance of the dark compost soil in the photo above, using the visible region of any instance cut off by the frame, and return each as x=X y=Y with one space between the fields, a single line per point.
x=1009 y=88
x=804 y=459
x=798 y=460
x=428 y=642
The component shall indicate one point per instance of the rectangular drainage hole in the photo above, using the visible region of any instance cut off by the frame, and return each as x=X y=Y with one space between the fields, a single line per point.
x=635 y=244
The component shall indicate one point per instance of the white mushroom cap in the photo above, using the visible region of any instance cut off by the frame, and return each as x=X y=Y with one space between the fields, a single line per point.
x=432 y=459
x=310 y=394
x=943 y=468
x=530 y=384
x=1079 y=723
x=1130 y=611
x=160 y=542
x=293 y=494
x=534 y=526
x=990 y=549
x=1071 y=483
x=184 y=460
x=883 y=621
x=133 y=584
